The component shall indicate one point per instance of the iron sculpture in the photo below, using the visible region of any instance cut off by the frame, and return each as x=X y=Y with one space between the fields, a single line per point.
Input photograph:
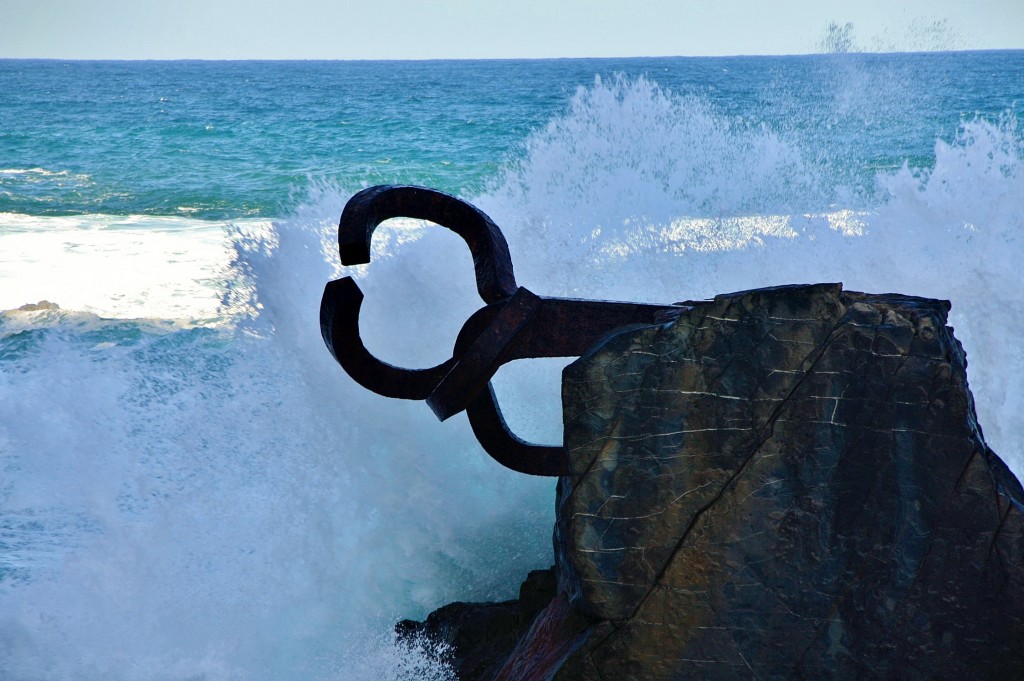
x=513 y=324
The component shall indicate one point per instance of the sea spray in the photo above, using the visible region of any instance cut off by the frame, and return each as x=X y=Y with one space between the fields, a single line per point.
x=249 y=509
x=952 y=231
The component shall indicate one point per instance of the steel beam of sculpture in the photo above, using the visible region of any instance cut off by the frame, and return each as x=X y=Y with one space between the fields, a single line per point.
x=513 y=324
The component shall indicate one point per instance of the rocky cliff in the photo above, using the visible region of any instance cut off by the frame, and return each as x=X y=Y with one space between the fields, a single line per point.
x=784 y=483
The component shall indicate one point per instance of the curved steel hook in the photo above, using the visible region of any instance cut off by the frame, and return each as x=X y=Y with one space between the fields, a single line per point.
x=446 y=390
x=367 y=209
x=514 y=324
x=505 y=447
x=339 y=327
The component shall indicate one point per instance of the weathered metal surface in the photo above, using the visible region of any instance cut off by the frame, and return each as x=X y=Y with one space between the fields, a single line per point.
x=366 y=210
x=514 y=324
x=339 y=326
x=476 y=363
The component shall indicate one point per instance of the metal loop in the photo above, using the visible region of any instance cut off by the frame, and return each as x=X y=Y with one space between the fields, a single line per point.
x=494 y=436
x=339 y=326
x=366 y=210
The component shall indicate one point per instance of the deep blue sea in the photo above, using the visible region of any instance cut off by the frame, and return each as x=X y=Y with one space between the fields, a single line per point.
x=191 y=488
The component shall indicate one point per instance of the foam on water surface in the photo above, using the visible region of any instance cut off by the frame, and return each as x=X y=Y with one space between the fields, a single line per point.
x=222 y=502
x=117 y=266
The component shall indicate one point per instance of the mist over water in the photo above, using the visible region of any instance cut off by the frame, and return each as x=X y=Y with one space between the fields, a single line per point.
x=217 y=500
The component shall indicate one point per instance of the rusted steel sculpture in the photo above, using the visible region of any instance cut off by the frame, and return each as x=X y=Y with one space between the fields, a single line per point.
x=513 y=324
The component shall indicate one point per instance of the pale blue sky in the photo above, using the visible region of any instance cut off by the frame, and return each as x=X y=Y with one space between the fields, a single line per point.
x=416 y=29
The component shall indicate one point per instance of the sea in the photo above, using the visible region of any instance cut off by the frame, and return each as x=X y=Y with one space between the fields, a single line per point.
x=191 y=489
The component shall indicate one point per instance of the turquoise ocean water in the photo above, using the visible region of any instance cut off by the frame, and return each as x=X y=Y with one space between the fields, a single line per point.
x=190 y=488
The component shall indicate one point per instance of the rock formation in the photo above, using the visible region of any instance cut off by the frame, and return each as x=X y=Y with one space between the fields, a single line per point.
x=477 y=637
x=784 y=483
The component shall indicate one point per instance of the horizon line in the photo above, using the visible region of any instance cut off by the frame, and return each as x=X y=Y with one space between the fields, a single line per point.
x=467 y=59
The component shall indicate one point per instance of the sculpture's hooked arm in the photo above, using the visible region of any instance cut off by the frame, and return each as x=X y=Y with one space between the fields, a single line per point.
x=514 y=324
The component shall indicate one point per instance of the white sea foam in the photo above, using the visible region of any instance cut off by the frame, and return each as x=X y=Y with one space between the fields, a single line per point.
x=133 y=266
x=227 y=504
x=41 y=172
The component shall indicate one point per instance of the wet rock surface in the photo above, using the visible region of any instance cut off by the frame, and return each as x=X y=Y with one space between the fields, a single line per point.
x=785 y=483
x=476 y=639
